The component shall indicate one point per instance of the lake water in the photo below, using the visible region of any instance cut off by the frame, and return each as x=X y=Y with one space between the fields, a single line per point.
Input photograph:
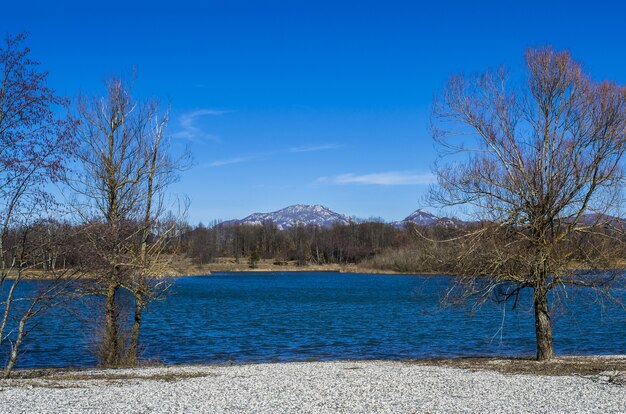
x=253 y=317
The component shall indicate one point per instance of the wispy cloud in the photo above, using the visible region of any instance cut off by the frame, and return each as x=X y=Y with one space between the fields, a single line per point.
x=314 y=148
x=189 y=128
x=383 y=178
x=238 y=159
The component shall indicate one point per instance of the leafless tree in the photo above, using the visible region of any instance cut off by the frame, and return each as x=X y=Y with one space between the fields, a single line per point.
x=157 y=244
x=119 y=188
x=20 y=311
x=34 y=144
x=539 y=161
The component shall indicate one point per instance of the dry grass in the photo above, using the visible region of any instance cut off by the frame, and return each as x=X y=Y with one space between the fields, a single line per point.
x=72 y=378
x=613 y=367
x=229 y=264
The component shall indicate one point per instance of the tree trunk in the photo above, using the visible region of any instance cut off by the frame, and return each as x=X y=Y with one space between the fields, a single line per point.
x=543 y=328
x=110 y=346
x=7 y=305
x=15 y=349
x=134 y=340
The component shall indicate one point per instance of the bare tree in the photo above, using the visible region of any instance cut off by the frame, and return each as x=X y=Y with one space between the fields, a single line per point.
x=542 y=169
x=34 y=143
x=157 y=244
x=120 y=186
x=21 y=311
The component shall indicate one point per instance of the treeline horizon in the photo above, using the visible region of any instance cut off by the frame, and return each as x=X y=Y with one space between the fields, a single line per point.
x=52 y=245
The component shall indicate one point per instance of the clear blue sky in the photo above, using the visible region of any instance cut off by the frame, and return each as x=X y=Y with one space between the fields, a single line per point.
x=286 y=102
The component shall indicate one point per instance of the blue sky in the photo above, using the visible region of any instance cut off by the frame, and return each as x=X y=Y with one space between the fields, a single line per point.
x=324 y=102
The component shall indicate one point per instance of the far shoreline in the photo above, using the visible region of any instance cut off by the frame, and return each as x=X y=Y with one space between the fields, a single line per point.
x=186 y=268
x=231 y=265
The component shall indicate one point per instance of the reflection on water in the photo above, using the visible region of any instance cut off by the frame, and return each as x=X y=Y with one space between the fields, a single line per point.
x=298 y=316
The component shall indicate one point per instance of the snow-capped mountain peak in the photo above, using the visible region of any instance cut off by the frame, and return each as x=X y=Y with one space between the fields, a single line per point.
x=423 y=217
x=298 y=214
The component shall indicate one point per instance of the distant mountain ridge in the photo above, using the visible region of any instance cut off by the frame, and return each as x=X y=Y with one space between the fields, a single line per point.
x=322 y=216
x=291 y=216
x=319 y=215
x=422 y=217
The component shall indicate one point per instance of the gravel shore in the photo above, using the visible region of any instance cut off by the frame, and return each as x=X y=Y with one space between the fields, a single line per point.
x=311 y=387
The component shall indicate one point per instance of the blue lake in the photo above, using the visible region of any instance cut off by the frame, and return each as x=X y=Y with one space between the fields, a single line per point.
x=251 y=317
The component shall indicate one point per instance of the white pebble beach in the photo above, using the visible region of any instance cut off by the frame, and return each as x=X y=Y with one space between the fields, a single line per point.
x=311 y=387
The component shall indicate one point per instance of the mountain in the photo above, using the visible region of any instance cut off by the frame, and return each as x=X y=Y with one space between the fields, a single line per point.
x=422 y=217
x=321 y=216
x=297 y=214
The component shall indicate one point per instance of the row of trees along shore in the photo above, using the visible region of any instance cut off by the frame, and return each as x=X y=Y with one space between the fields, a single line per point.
x=84 y=202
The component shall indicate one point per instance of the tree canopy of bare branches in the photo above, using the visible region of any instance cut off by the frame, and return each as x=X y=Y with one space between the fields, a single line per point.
x=124 y=169
x=540 y=161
